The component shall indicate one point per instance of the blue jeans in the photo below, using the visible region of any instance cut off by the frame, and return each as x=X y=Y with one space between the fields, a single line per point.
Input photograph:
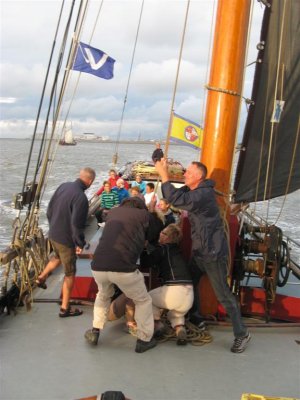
x=217 y=274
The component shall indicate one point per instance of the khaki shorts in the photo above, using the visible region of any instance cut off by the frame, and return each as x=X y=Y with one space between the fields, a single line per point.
x=67 y=256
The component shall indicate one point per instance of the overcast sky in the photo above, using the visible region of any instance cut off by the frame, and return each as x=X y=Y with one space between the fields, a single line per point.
x=27 y=34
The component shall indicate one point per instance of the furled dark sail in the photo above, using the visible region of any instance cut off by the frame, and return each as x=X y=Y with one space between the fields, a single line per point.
x=270 y=164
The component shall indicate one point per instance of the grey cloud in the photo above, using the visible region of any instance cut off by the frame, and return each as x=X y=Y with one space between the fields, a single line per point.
x=27 y=35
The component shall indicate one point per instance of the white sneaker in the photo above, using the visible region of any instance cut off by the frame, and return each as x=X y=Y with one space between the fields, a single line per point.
x=101 y=224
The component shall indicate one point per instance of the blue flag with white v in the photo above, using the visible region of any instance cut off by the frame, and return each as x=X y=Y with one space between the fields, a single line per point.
x=93 y=61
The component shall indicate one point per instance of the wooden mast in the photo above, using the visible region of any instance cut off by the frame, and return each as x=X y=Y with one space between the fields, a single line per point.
x=224 y=89
x=222 y=109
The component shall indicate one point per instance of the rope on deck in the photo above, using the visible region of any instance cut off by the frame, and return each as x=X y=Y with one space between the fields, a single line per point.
x=195 y=335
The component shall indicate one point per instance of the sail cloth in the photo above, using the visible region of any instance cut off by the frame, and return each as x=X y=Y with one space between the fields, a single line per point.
x=186 y=132
x=270 y=165
x=93 y=61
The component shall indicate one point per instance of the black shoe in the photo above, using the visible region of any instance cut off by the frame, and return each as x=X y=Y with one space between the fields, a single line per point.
x=240 y=343
x=92 y=336
x=142 y=346
x=198 y=321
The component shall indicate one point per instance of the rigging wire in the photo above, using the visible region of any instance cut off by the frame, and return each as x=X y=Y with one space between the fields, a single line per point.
x=81 y=17
x=297 y=134
x=273 y=136
x=41 y=102
x=209 y=55
x=176 y=80
x=275 y=93
x=75 y=48
x=232 y=169
x=262 y=146
x=115 y=156
x=28 y=240
x=75 y=43
x=46 y=157
x=291 y=170
x=54 y=88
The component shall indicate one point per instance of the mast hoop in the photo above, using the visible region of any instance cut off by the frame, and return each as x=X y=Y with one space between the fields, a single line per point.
x=226 y=91
x=248 y=101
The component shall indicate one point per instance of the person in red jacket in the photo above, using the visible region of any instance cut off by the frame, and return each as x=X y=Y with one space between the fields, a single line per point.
x=112 y=179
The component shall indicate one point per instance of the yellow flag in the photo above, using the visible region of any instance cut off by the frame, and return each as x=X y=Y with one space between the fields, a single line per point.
x=186 y=132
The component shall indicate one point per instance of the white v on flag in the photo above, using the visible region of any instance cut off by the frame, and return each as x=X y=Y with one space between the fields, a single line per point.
x=93 y=61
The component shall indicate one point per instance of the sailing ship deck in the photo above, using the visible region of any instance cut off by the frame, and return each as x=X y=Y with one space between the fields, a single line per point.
x=46 y=357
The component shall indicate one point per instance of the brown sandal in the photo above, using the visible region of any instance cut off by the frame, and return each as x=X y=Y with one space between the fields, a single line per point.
x=70 y=312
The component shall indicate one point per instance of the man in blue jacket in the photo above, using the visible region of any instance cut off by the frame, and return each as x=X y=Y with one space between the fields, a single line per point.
x=67 y=214
x=209 y=245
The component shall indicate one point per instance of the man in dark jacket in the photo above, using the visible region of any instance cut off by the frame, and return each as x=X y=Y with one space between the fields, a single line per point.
x=209 y=245
x=115 y=262
x=67 y=214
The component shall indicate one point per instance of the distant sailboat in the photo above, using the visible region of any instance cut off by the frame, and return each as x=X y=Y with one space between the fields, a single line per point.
x=68 y=139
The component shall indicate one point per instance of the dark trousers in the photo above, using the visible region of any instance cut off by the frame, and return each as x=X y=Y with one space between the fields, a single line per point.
x=217 y=274
x=101 y=214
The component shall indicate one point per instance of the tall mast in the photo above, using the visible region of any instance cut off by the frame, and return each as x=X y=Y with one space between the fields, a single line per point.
x=224 y=88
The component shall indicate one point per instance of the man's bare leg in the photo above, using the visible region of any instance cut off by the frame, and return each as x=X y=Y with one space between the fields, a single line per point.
x=51 y=266
x=67 y=290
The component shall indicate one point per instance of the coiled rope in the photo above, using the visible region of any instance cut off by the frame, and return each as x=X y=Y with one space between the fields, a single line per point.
x=195 y=335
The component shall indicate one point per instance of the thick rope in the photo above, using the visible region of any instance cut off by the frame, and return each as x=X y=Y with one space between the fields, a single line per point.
x=195 y=335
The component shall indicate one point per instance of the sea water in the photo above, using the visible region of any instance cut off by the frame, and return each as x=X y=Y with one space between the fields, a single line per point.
x=68 y=160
